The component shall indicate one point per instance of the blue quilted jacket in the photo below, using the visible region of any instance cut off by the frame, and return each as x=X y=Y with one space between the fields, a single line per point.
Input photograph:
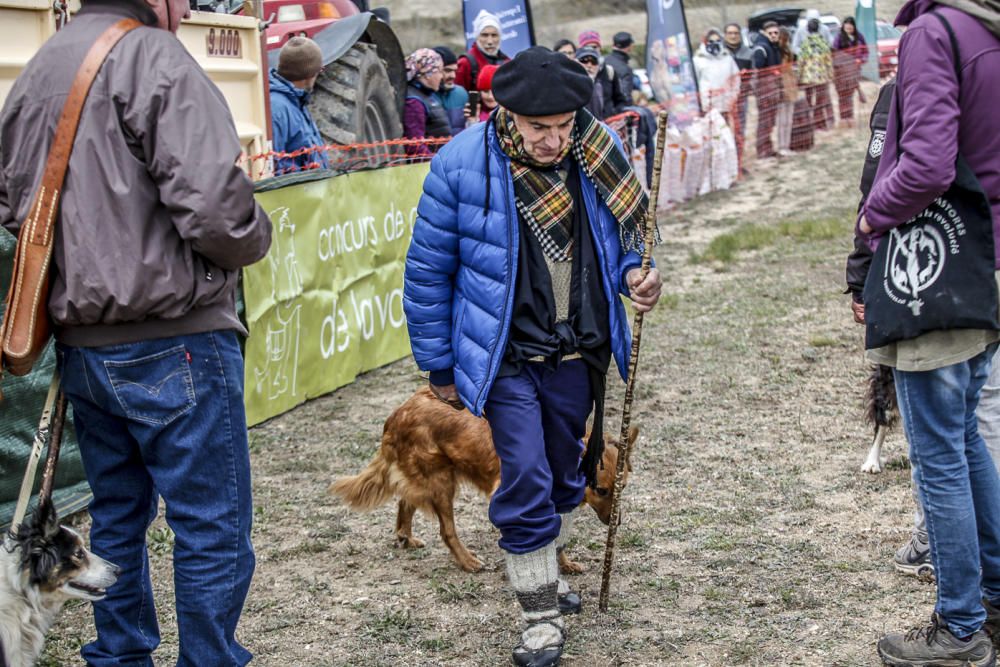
x=458 y=288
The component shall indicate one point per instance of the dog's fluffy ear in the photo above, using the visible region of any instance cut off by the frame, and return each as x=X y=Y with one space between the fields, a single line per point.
x=35 y=536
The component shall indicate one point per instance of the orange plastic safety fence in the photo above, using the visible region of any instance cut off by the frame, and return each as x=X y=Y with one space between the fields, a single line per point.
x=344 y=157
x=355 y=157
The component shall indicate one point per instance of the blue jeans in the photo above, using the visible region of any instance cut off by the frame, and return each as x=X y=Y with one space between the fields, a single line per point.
x=958 y=484
x=166 y=418
x=538 y=420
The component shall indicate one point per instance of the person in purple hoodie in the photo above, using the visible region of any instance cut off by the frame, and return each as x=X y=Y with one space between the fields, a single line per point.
x=939 y=375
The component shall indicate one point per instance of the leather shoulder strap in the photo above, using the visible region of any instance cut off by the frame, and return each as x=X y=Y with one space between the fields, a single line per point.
x=42 y=216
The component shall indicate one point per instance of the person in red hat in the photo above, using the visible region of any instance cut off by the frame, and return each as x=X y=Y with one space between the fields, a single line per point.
x=487 y=102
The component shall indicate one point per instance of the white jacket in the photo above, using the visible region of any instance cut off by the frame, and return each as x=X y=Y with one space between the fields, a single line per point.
x=718 y=79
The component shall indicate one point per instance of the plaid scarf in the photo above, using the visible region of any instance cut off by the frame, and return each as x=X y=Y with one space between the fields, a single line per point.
x=543 y=199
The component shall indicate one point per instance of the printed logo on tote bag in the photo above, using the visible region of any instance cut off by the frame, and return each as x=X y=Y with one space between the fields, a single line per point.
x=918 y=255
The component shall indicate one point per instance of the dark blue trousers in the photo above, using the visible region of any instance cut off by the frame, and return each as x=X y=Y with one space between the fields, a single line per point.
x=538 y=419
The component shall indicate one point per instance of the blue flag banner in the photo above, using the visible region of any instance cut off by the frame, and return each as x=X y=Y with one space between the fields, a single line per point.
x=517 y=32
x=669 y=62
x=864 y=16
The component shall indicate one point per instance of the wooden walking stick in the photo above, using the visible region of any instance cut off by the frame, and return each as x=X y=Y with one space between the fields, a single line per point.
x=52 y=458
x=649 y=234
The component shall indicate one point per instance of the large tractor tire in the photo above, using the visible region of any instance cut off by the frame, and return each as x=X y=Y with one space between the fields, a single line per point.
x=354 y=102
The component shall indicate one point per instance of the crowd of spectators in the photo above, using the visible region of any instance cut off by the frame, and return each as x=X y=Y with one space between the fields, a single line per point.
x=789 y=76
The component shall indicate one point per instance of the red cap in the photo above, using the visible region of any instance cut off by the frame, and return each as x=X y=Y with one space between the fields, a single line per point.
x=485 y=80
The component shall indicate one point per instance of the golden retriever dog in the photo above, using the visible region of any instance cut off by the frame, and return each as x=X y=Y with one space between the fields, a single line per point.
x=428 y=450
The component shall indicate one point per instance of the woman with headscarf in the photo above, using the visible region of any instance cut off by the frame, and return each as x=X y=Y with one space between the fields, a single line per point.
x=718 y=74
x=423 y=114
x=815 y=74
x=850 y=52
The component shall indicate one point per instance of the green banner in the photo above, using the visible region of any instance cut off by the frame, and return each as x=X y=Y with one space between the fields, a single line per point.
x=19 y=413
x=327 y=302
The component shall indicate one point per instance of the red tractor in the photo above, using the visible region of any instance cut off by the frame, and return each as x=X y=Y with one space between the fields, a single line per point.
x=360 y=94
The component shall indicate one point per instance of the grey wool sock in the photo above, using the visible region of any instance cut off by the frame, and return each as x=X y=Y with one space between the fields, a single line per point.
x=534 y=578
x=565 y=530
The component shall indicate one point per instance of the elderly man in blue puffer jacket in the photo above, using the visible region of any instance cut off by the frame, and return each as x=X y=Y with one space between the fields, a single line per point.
x=526 y=235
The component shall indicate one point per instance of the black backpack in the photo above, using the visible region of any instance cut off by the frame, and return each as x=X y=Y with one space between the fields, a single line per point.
x=861 y=258
x=878 y=123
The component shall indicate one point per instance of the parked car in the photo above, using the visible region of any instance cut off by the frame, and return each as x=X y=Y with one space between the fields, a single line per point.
x=888 y=48
x=787 y=17
x=831 y=22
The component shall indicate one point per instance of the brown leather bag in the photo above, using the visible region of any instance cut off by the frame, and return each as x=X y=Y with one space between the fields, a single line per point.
x=25 y=330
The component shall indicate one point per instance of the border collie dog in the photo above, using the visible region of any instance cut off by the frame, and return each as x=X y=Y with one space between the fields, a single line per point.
x=41 y=567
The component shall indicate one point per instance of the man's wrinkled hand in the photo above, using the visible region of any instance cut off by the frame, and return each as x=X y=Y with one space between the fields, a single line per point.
x=447 y=394
x=859 y=312
x=644 y=292
x=864 y=226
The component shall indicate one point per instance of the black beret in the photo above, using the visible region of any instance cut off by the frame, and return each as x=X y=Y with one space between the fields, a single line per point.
x=447 y=55
x=540 y=82
x=623 y=40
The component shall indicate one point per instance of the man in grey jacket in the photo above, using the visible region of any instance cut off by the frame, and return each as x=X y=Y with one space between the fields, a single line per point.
x=155 y=222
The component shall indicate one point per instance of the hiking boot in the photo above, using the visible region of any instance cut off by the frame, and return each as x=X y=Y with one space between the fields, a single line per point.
x=992 y=625
x=935 y=646
x=914 y=558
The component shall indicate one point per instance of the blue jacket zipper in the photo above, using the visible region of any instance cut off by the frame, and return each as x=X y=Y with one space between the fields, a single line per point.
x=512 y=249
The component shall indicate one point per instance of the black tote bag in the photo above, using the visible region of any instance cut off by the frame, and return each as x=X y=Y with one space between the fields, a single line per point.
x=936 y=271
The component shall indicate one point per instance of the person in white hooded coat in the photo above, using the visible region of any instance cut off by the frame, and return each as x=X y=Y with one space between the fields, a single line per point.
x=718 y=74
x=801 y=32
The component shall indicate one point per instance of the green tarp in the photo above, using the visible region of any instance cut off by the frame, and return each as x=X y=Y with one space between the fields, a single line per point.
x=19 y=413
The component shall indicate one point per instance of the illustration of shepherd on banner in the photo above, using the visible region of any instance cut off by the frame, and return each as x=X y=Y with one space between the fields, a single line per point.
x=279 y=375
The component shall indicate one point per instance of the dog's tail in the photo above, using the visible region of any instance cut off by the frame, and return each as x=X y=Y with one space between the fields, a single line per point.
x=880 y=398
x=368 y=489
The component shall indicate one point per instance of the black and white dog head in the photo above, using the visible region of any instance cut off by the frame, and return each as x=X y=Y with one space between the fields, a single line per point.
x=53 y=560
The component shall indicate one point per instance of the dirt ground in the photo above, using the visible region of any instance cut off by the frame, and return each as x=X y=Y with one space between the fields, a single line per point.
x=750 y=537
